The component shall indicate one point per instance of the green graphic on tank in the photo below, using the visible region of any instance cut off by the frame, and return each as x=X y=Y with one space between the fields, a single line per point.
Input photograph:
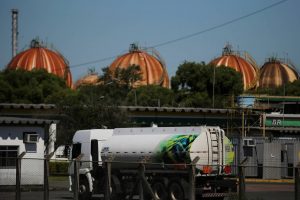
x=229 y=152
x=175 y=149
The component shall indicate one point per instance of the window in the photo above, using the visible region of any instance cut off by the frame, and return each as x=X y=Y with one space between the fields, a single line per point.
x=76 y=150
x=8 y=155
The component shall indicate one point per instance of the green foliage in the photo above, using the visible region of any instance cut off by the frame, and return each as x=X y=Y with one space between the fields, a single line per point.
x=196 y=99
x=193 y=85
x=289 y=89
x=151 y=95
x=91 y=107
x=292 y=89
x=36 y=86
x=58 y=168
x=228 y=81
x=123 y=76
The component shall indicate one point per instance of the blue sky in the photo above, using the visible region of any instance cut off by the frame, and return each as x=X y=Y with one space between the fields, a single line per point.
x=85 y=31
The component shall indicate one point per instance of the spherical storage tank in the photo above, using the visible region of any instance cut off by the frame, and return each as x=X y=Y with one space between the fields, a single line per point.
x=90 y=79
x=152 y=67
x=39 y=57
x=275 y=73
x=246 y=66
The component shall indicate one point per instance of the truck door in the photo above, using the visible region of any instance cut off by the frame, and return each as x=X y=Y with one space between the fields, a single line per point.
x=95 y=153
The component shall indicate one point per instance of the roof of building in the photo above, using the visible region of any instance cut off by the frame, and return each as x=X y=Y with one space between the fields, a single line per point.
x=25 y=121
x=176 y=109
x=27 y=106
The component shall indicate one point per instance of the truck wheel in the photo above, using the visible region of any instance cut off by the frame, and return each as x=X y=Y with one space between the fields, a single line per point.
x=84 y=189
x=175 y=191
x=159 y=190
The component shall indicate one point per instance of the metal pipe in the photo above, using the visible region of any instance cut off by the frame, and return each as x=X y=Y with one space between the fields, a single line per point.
x=15 y=33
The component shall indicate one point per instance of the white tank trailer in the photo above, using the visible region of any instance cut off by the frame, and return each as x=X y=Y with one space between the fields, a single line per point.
x=166 y=153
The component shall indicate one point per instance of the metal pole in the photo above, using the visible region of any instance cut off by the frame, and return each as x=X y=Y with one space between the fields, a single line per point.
x=264 y=124
x=46 y=175
x=135 y=99
x=76 y=179
x=297 y=182
x=18 y=179
x=107 y=168
x=144 y=181
x=14 y=32
x=18 y=176
x=192 y=182
x=242 y=190
x=46 y=183
x=243 y=123
x=214 y=77
x=141 y=191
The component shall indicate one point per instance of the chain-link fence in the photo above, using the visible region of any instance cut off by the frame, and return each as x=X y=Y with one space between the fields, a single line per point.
x=32 y=178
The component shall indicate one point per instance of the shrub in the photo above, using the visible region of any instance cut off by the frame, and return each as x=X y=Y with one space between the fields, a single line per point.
x=58 y=168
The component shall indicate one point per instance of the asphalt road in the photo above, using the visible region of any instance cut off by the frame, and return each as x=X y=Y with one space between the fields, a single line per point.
x=270 y=191
x=254 y=191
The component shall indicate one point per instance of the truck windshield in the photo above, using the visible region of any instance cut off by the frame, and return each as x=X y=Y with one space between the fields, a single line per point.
x=76 y=150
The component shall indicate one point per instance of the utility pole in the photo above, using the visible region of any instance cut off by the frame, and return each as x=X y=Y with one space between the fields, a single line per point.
x=214 y=78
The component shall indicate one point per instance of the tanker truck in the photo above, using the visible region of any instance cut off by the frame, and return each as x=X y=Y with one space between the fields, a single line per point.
x=166 y=154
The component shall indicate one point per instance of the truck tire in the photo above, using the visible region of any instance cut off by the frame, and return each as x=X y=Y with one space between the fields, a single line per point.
x=159 y=190
x=84 y=189
x=175 y=191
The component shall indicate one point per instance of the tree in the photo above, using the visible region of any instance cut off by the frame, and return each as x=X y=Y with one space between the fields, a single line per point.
x=228 y=81
x=91 y=106
x=124 y=76
x=194 y=84
x=292 y=89
x=79 y=114
x=150 y=95
x=36 y=86
x=288 y=89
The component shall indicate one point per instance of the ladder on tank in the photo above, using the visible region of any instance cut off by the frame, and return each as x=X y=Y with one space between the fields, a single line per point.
x=217 y=149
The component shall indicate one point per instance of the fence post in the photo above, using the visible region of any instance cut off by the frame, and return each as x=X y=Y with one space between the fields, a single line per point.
x=192 y=175
x=76 y=179
x=142 y=177
x=46 y=182
x=18 y=176
x=107 y=168
x=141 y=190
x=297 y=182
x=76 y=176
x=242 y=190
x=46 y=175
x=192 y=182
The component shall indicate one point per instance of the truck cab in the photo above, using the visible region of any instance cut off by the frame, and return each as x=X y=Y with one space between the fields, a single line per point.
x=87 y=145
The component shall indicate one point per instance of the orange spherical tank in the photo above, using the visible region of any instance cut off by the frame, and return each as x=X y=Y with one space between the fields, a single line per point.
x=90 y=79
x=275 y=74
x=38 y=57
x=248 y=70
x=152 y=69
